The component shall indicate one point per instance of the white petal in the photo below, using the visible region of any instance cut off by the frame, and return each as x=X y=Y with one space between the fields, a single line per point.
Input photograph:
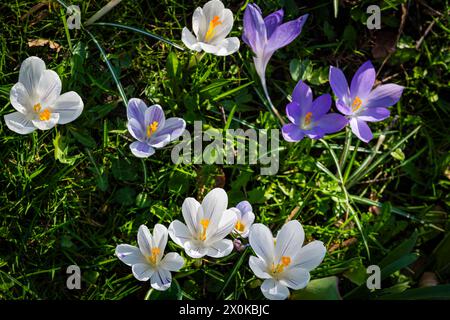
x=69 y=106
x=209 y=48
x=227 y=46
x=262 y=242
x=190 y=210
x=295 y=278
x=274 y=290
x=159 y=141
x=198 y=21
x=223 y=29
x=213 y=8
x=30 y=73
x=161 y=280
x=46 y=124
x=20 y=99
x=259 y=267
x=310 y=256
x=129 y=255
x=48 y=89
x=195 y=249
x=145 y=241
x=248 y=219
x=189 y=40
x=160 y=236
x=172 y=262
x=213 y=205
x=220 y=248
x=179 y=233
x=142 y=271
x=18 y=123
x=141 y=149
x=224 y=227
x=289 y=240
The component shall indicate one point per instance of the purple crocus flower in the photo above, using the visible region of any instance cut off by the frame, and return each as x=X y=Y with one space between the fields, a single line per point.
x=151 y=128
x=310 y=118
x=265 y=36
x=360 y=103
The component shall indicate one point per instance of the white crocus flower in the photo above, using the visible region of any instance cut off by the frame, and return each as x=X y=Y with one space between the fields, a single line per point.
x=148 y=261
x=38 y=100
x=211 y=26
x=283 y=262
x=208 y=224
x=245 y=218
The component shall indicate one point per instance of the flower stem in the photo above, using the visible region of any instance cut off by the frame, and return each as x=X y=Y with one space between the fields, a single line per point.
x=274 y=110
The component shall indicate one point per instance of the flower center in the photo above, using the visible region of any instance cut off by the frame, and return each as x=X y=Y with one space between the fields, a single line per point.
x=239 y=226
x=212 y=28
x=205 y=224
x=155 y=253
x=151 y=128
x=285 y=261
x=357 y=103
x=43 y=115
x=308 y=117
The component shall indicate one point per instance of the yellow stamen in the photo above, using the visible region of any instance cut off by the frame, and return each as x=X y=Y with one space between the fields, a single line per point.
x=45 y=115
x=155 y=253
x=37 y=107
x=205 y=224
x=308 y=117
x=152 y=128
x=239 y=226
x=357 y=102
x=212 y=26
x=285 y=261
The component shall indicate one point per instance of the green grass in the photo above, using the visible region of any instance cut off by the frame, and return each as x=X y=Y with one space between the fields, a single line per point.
x=71 y=194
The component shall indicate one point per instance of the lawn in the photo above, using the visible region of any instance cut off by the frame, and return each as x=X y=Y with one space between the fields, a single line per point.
x=71 y=194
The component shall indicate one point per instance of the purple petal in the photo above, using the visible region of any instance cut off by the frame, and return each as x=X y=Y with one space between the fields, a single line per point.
x=292 y=133
x=141 y=149
x=155 y=114
x=361 y=129
x=343 y=108
x=294 y=112
x=385 y=95
x=136 y=110
x=302 y=95
x=273 y=20
x=332 y=122
x=254 y=34
x=136 y=129
x=159 y=140
x=285 y=34
x=244 y=207
x=363 y=81
x=174 y=127
x=315 y=133
x=321 y=105
x=374 y=114
x=339 y=84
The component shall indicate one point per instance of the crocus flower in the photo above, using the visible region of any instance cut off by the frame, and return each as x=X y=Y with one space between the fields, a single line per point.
x=38 y=100
x=211 y=26
x=308 y=117
x=148 y=260
x=265 y=36
x=151 y=128
x=207 y=223
x=245 y=218
x=360 y=103
x=282 y=262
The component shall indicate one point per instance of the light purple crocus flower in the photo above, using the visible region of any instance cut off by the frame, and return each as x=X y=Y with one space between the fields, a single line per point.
x=151 y=128
x=360 y=103
x=310 y=118
x=265 y=36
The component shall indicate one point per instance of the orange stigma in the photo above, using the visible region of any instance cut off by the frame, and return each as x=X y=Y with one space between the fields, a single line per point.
x=155 y=253
x=205 y=224
x=357 y=102
x=152 y=128
x=285 y=261
x=212 y=26
x=239 y=226
x=45 y=115
x=308 y=118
